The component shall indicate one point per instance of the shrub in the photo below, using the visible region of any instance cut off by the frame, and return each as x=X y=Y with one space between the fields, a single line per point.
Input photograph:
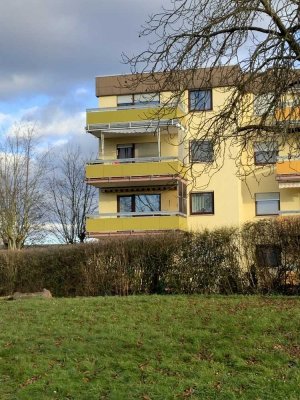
x=272 y=253
x=206 y=262
x=263 y=256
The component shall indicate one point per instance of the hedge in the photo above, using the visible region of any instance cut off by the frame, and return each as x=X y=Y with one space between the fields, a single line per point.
x=260 y=257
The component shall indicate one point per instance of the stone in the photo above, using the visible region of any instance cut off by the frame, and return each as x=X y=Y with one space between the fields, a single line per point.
x=45 y=294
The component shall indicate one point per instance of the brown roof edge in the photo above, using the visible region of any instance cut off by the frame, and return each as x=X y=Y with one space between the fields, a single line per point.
x=164 y=81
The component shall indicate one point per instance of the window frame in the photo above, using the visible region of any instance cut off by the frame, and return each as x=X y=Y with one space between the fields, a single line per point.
x=125 y=104
x=138 y=103
x=264 y=253
x=192 y=161
x=200 y=90
x=152 y=102
x=182 y=197
x=133 y=202
x=201 y=212
x=261 y=103
x=125 y=146
x=273 y=214
x=276 y=151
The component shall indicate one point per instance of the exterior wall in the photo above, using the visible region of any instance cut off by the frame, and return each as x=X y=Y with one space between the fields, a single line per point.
x=107 y=102
x=226 y=188
x=290 y=199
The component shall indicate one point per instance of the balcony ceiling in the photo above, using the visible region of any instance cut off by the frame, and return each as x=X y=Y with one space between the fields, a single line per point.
x=135 y=182
x=146 y=131
x=289 y=185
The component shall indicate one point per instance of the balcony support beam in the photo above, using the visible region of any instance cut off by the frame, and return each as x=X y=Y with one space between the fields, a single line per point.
x=158 y=143
x=101 y=145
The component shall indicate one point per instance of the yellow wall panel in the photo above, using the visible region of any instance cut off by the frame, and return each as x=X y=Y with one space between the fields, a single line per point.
x=136 y=224
x=94 y=171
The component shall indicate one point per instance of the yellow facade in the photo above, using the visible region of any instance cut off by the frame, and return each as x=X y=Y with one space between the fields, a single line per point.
x=145 y=178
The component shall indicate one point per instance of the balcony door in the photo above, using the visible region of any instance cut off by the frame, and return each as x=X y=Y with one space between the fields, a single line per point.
x=125 y=151
x=125 y=204
x=141 y=203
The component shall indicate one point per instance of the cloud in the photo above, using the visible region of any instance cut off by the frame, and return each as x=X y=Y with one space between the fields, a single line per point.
x=5 y=119
x=51 y=51
x=51 y=45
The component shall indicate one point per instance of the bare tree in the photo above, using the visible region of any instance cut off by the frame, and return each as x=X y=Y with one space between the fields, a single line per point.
x=70 y=198
x=251 y=48
x=22 y=171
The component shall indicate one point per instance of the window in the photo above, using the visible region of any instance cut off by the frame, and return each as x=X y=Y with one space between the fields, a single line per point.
x=182 y=197
x=125 y=151
x=262 y=103
x=201 y=151
x=146 y=98
x=267 y=203
x=137 y=99
x=125 y=100
x=200 y=100
x=142 y=203
x=265 y=153
x=202 y=203
x=268 y=255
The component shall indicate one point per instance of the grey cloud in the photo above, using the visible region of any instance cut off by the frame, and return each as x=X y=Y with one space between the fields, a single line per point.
x=51 y=45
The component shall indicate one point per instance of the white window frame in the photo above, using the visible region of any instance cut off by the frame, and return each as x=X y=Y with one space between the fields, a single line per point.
x=268 y=198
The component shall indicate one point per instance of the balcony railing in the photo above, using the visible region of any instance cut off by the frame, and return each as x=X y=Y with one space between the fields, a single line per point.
x=150 y=168
x=288 y=113
x=135 y=223
x=288 y=166
x=137 y=214
x=289 y=212
x=132 y=160
x=133 y=117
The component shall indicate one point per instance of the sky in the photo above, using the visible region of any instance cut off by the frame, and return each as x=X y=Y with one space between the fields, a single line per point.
x=50 y=53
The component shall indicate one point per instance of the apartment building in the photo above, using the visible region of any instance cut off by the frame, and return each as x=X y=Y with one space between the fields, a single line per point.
x=151 y=167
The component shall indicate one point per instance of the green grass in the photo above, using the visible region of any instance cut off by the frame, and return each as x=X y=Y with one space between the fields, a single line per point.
x=150 y=347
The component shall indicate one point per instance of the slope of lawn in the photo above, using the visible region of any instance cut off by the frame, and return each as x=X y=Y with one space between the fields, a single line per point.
x=150 y=347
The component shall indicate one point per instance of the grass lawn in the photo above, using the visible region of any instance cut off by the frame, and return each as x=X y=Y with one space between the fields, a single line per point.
x=150 y=347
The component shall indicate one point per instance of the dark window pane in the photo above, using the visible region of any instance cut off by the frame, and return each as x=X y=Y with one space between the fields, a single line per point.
x=125 y=204
x=147 y=202
x=182 y=197
x=125 y=152
x=265 y=157
x=202 y=151
x=268 y=256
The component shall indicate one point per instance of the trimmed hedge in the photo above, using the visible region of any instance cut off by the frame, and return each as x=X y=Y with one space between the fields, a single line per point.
x=222 y=261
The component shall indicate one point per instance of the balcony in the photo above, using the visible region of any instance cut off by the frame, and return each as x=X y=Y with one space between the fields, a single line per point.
x=289 y=111
x=154 y=170
x=288 y=213
x=135 y=223
x=133 y=118
x=288 y=172
x=288 y=116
